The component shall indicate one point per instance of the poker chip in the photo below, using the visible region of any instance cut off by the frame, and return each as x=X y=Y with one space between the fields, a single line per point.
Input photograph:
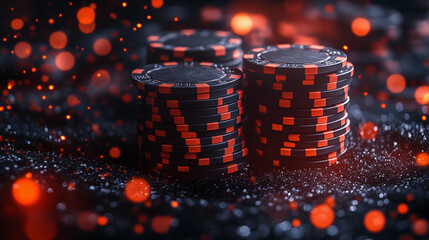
x=191 y=115
x=297 y=101
x=190 y=45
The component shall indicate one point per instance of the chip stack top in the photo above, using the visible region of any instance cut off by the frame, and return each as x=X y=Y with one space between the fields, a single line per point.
x=190 y=45
x=297 y=100
x=190 y=118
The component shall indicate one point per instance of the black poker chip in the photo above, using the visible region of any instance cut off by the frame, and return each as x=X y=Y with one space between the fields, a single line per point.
x=302 y=103
x=321 y=162
x=296 y=121
x=192 y=120
x=260 y=85
x=205 y=103
x=189 y=141
x=198 y=96
x=207 y=161
x=310 y=112
x=190 y=112
x=272 y=151
x=186 y=77
x=295 y=59
x=289 y=94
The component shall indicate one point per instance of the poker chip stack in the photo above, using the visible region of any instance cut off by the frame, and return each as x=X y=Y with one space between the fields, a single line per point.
x=297 y=101
x=190 y=118
x=190 y=45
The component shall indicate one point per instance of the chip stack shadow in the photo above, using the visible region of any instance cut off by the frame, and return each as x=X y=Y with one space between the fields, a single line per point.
x=297 y=101
x=190 y=45
x=191 y=118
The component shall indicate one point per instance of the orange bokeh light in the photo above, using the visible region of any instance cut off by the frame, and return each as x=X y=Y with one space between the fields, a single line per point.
x=40 y=229
x=72 y=100
x=322 y=216
x=157 y=3
x=161 y=224
x=64 y=61
x=422 y=159
x=102 y=220
x=402 y=208
x=87 y=28
x=58 y=40
x=17 y=24
x=241 y=23
x=420 y=227
x=137 y=190
x=86 y=15
x=87 y=220
x=25 y=191
x=396 y=83
x=361 y=27
x=374 y=221
x=422 y=95
x=368 y=131
x=138 y=229
x=102 y=46
x=100 y=78
x=22 y=49
x=115 y=152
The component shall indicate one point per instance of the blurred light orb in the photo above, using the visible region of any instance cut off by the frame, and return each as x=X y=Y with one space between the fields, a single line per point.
x=137 y=190
x=25 y=191
x=241 y=23
x=58 y=40
x=22 y=49
x=422 y=159
x=86 y=15
x=87 y=28
x=64 y=61
x=17 y=24
x=322 y=216
x=157 y=3
x=396 y=83
x=374 y=221
x=422 y=95
x=368 y=131
x=361 y=27
x=100 y=78
x=102 y=46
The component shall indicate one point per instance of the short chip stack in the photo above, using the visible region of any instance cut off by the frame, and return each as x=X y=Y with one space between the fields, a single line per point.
x=190 y=45
x=297 y=100
x=191 y=118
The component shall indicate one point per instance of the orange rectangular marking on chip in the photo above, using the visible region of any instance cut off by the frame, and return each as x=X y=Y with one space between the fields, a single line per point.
x=289 y=121
x=232 y=168
x=229 y=91
x=260 y=152
x=217 y=139
x=152 y=94
x=276 y=127
x=156 y=45
x=333 y=160
x=182 y=128
x=183 y=169
x=202 y=87
x=156 y=118
x=333 y=78
x=179 y=51
x=328 y=134
x=222 y=109
x=322 y=143
x=257 y=130
x=340 y=107
x=321 y=127
x=160 y=133
x=203 y=96
x=138 y=71
x=332 y=86
x=315 y=95
x=179 y=120
x=194 y=149
x=190 y=156
x=229 y=150
x=284 y=103
x=203 y=162
x=263 y=140
x=310 y=152
x=262 y=108
x=149 y=124
x=172 y=103
x=150 y=138
x=270 y=68
x=258 y=83
x=308 y=82
x=321 y=102
x=280 y=78
x=219 y=101
x=294 y=137
x=153 y=38
x=332 y=155
x=287 y=95
x=278 y=86
x=165 y=88
x=230 y=129
x=311 y=69
x=165 y=161
x=225 y=116
x=276 y=163
x=231 y=142
x=167 y=148
x=285 y=151
x=247 y=56
x=164 y=57
x=219 y=50
x=289 y=144
x=316 y=112
x=175 y=112
x=228 y=158
x=192 y=141
x=212 y=126
x=321 y=120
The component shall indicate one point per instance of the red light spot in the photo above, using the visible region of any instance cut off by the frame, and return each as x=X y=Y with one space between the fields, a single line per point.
x=420 y=227
x=86 y=15
x=422 y=159
x=402 y=208
x=72 y=101
x=296 y=222
x=64 y=61
x=58 y=40
x=361 y=27
x=100 y=78
x=161 y=224
x=174 y=204
x=115 y=152
x=374 y=221
x=102 y=220
x=396 y=83
x=368 y=131
x=138 y=229
x=422 y=95
x=102 y=47
x=87 y=28
x=137 y=190
x=22 y=49
x=25 y=191
x=241 y=23
x=157 y=3
x=17 y=24
x=322 y=216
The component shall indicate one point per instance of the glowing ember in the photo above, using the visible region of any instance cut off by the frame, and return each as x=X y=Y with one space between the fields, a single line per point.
x=22 y=49
x=86 y=15
x=102 y=220
x=17 y=24
x=396 y=83
x=26 y=191
x=374 y=221
x=161 y=224
x=422 y=159
x=157 y=3
x=241 y=23
x=422 y=95
x=402 y=208
x=322 y=216
x=64 y=61
x=102 y=46
x=115 y=152
x=361 y=27
x=137 y=190
x=368 y=131
x=58 y=40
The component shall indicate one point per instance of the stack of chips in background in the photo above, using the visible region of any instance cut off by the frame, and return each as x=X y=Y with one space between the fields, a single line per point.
x=297 y=100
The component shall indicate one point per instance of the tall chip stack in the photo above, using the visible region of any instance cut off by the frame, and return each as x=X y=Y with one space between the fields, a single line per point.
x=297 y=101
x=190 y=45
x=191 y=118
